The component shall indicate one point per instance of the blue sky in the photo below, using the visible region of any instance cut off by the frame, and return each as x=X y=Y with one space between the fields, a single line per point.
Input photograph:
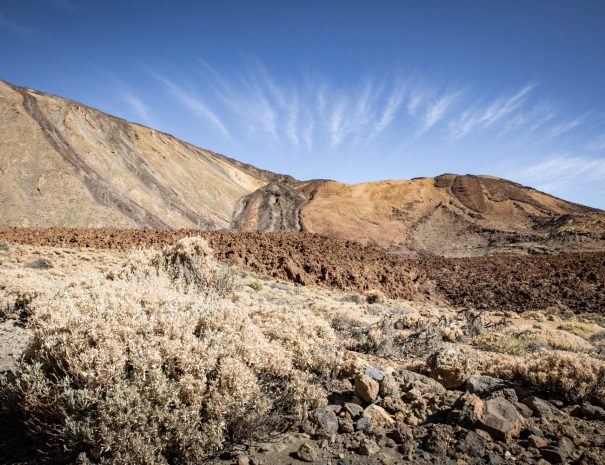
x=348 y=90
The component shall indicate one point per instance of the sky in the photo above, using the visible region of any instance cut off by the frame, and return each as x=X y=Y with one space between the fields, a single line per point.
x=350 y=90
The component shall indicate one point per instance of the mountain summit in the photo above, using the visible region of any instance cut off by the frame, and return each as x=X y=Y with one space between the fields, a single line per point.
x=63 y=163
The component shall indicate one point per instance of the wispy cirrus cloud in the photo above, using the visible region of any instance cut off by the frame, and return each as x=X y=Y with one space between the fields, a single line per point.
x=291 y=114
x=567 y=126
x=557 y=172
x=190 y=99
x=483 y=116
x=138 y=107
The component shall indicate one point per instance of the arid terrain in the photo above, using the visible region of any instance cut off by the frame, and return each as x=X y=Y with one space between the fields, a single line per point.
x=65 y=164
x=164 y=304
x=259 y=359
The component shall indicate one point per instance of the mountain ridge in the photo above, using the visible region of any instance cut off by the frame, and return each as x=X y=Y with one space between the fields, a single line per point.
x=63 y=163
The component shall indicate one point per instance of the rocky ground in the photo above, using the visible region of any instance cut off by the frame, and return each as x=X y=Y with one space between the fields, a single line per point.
x=420 y=382
x=573 y=282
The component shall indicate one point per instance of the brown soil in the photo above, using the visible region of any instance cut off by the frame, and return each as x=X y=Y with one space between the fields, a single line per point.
x=574 y=281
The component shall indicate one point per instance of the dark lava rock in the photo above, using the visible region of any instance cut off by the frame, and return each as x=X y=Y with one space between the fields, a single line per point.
x=553 y=454
x=484 y=385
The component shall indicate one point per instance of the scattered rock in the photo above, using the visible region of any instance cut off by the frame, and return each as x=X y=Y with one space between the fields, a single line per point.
x=353 y=409
x=541 y=408
x=363 y=424
x=307 y=452
x=484 y=385
x=553 y=454
x=536 y=442
x=524 y=410
x=500 y=419
x=373 y=373
x=394 y=404
x=472 y=444
x=345 y=424
x=531 y=431
x=592 y=412
x=450 y=366
x=243 y=460
x=378 y=417
x=507 y=393
x=326 y=421
x=366 y=388
x=466 y=411
x=368 y=447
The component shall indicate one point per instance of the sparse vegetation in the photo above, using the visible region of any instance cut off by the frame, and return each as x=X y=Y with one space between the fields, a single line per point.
x=574 y=377
x=40 y=264
x=256 y=285
x=135 y=370
x=580 y=329
x=375 y=296
x=502 y=343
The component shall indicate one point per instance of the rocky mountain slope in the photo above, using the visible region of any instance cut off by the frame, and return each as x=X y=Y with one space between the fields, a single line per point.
x=448 y=215
x=65 y=164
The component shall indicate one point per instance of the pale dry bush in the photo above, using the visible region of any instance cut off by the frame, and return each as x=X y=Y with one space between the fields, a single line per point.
x=189 y=263
x=517 y=340
x=132 y=370
x=572 y=376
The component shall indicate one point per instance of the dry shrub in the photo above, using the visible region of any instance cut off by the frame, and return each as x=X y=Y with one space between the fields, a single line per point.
x=574 y=377
x=518 y=340
x=579 y=328
x=502 y=343
x=375 y=296
x=40 y=264
x=189 y=263
x=131 y=371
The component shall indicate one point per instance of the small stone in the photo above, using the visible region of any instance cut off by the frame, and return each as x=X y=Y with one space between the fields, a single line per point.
x=536 y=442
x=566 y=445
x=507 y=393
x=592 y=412
x=542 y=408
x=345 y=425
x=373 y=373
x=363 y=424
x=368 y=447
x=494 y=459
x=553 y=454
x=524 y=410
x=450 y=366
x=306 y=453
x=378 y=416
x=500 y=419
x=530 y=431
x=243 y=460
x=353 y=409
x=326 y=421
x=484 y=385
x=366 y=388
x=466 y=411
x=394 y=404
x=472 y=444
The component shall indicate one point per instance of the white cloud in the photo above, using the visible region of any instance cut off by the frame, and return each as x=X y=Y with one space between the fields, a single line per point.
x=436 y=110
x=137 y=106
x=484 y=116
x=565 y=127
x=194 y=103
x=561 y=170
